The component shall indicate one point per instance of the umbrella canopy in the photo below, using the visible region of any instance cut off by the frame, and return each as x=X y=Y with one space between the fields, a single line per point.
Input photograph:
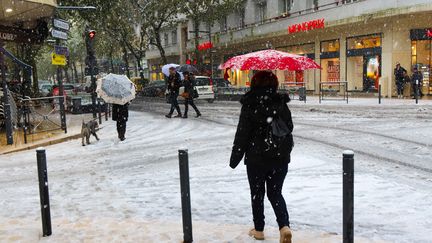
x=270 y=60
x=187 y=68
x=116 y=89
x=25 y=11
x=166 y=67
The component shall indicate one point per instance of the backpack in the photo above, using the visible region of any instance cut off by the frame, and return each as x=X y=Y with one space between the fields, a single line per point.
x=278 y=139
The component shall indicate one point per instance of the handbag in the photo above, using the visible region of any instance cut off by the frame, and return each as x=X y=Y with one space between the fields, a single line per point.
x=185 y=95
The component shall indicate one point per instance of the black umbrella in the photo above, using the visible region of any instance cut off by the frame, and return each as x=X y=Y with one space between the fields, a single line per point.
x=187 y=68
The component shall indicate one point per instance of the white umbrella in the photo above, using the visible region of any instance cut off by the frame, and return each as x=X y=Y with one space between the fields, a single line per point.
x=166 y=67
x=116 y=89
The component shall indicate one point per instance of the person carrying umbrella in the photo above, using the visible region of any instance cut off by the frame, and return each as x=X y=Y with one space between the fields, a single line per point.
x=118 y=90
x=189 y=94
x=120 y=114
x=173 y=83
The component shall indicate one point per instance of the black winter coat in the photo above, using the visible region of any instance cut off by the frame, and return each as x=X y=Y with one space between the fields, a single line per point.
x=120 y=112
x=417 y=76
x=174 y=83
x=399 y=75
x=188 y=87
x=258 y=107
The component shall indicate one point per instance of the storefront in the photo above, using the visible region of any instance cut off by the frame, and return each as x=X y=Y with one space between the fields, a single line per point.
x=364 y=62
x=421 y=55
x=330 y=60
x=298 y=78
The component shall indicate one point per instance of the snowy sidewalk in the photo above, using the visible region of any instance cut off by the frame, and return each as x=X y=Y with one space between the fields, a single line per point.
x=129 y=191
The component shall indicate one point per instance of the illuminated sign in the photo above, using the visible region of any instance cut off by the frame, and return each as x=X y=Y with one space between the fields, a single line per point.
x=306 y=26
x=205 y=46
x=429 y=33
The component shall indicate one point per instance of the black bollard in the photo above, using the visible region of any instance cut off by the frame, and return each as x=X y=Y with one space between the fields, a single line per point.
x=379 y=94
x=99 y=111
x=185 y=196
x=43 y=191
x=348 y=196
x=416 y=91
x=106 y=111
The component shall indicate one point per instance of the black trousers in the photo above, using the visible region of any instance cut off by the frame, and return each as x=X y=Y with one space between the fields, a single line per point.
x=174 y=103
x=191 y=102
x=273 y=176
x=121 y=129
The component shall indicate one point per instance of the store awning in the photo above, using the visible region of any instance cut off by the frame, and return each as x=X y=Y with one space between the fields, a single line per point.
x=25 y=12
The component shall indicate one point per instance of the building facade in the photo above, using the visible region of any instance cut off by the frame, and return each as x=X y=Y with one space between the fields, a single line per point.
x=355 y=41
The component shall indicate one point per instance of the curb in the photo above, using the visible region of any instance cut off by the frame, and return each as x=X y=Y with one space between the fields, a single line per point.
x=43 y=144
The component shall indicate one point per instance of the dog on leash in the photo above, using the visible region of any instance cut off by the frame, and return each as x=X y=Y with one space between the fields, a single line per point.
x=88 y=129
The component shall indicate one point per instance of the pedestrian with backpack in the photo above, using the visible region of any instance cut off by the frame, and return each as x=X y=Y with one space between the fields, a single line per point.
x=264 y=138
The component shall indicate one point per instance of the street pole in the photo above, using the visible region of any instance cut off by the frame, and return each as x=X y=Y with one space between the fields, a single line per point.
x=6 y=103
x=348 y=196
x=211 y=55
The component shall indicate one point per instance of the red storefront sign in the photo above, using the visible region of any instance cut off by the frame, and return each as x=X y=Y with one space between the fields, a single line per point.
x=306 y=26
x=429 y=33
x=205 y=46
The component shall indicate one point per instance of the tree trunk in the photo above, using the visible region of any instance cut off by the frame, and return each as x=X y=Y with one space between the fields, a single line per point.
x=111 y=60
x=196 y=33
x=126 y=61
x=65 y=70
x=75 y=71
x=159 y=45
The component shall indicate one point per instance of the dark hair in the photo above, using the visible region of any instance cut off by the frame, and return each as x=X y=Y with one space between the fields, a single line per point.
x=264 y=79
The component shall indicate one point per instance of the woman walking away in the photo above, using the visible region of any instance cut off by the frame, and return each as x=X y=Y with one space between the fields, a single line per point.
x=189 y=94
x=120 y=114
x=264 y=137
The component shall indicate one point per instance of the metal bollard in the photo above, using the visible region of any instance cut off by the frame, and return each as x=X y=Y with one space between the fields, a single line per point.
x=416 y=91
x=348 y=196
x=185 y=196
x=43 y=191
x=379 y=94
x=106 y=112
x=99 y=111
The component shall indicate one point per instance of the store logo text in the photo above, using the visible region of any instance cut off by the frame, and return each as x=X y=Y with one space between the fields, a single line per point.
x=306 y=26
x=7 y=36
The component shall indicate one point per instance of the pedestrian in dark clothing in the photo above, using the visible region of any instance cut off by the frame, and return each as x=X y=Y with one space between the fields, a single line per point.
x=417 y=82
x=120 y=114
x=189 y=94
x=173 y=83
x=259 y=137
x=400 y=74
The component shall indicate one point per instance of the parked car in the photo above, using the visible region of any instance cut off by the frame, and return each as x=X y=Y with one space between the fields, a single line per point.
x=204 y=87
x=221 y=82
x=45 y=89
x=155 y=89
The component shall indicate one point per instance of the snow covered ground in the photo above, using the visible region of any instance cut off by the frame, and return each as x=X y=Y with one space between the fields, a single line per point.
x=129 y=191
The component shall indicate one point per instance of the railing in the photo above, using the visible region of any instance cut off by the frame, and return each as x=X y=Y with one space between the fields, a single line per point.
x=333 y=91
x=40 y=115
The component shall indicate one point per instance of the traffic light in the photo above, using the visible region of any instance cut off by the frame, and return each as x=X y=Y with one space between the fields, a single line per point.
x=91 y=34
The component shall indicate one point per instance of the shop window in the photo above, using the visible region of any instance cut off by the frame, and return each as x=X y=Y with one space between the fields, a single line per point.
x=174 y=37
x=330 y=46
x=261 y=11
x=299 y=78
x=166 y=39
x=285 y=6
x=330 y=71
x=371 y=41
x=421 y=57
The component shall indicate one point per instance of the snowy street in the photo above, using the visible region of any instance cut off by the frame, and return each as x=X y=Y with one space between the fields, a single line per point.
x=116 y=191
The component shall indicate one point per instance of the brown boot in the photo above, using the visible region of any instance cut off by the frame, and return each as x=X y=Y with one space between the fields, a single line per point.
x=285 y=235
x=258 y=235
